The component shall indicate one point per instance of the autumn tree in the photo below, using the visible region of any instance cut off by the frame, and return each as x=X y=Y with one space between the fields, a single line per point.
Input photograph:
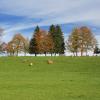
x=81 y=40
x=26 y=46
x=3 y=47
x=11 y=49
x=52 y=31
x=50 y=43
x=73 y=42
x=88 y=41
x=44 y=42
x=41 y=42
x=18 y=44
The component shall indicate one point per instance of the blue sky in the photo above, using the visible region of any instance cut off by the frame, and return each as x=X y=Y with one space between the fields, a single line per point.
x=21 y=16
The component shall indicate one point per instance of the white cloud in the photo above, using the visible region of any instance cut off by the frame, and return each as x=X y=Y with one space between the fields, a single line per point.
x=51 y=11
x=54 y=10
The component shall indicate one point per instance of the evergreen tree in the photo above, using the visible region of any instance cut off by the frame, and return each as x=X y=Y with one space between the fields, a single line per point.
x=96 y=50
x=33 y=44
x=31 y=47
x=59 y=43
x=58 y=39
x=37 y=29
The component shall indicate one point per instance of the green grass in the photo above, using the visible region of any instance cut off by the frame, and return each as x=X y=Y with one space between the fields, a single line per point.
x=69 y=78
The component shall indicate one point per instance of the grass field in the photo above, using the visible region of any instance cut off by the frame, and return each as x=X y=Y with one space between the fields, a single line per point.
x=68 y=78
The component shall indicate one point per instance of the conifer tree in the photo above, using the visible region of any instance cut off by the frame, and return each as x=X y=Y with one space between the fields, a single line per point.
x=58 y=39
x=60 y=45
x=33 y=44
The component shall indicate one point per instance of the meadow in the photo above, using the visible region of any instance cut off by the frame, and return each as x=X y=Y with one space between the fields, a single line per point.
x=68 y=78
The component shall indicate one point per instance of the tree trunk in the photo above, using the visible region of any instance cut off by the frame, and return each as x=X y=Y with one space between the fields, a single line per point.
x=76 y=54
x=25 y=53
x=17 y=52
x=10 y=53
x=51 y=54
x=25 y=50
x=86 y=53
x=35 y=54
x=45 y=53
x=82 y=51
x=73 y=54
x=13 y=52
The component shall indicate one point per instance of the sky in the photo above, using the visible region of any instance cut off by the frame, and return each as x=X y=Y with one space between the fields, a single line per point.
x=22 y=16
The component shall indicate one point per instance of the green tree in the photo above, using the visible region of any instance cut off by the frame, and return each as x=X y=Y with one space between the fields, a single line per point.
x=33 y=44
x=58 y=39
x=96 y=50
x=59 y=43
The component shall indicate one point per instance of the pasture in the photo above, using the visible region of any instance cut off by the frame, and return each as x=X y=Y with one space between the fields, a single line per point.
x=67 y=78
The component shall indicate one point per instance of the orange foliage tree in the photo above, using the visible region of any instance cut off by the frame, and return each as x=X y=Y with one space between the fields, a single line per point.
x=44 y=42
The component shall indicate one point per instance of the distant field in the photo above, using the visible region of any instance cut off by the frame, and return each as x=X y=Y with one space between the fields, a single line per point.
x=68 y=78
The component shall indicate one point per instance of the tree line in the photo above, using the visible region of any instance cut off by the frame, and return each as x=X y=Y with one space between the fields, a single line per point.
x=47 y=42
x=52 y=41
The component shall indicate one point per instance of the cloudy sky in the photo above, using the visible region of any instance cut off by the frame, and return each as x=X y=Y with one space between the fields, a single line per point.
x=21 y=16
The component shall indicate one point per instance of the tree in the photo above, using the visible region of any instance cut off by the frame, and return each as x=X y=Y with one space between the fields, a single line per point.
x=3 y=47
x=52 y=31
x=26 y=46
x=60 y=45
x=50 y=43
x=41 y=42
x=96 y=50
x=81 y=40
x=44 y=42
x=33 y=44
x=11 y=49
x=88 y=41
x=58 y=39
x=17 y=44
x=73 y=43
x=40 y=38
